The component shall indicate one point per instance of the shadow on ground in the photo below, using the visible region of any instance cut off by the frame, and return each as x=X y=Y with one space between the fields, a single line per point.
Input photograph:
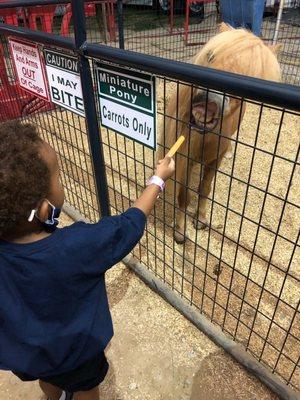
x=221 y=378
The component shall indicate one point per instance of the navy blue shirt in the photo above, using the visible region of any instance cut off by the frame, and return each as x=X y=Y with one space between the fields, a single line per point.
x=54 y=311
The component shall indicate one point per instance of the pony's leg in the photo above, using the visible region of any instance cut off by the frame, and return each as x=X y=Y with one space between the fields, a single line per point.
x=229 y=152
x=200 y=221
x=183 y=198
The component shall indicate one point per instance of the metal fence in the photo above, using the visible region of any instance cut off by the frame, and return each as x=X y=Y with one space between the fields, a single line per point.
x=241 y=273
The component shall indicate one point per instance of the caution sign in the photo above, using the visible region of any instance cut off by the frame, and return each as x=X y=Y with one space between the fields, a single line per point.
x=127 y=102
x=64 y=81
x=29 y=68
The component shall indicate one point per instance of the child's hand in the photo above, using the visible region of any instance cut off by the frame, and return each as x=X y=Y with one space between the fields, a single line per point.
x=165 y=168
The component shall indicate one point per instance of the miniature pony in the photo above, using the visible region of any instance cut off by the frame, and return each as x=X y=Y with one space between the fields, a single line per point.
x=207 y=119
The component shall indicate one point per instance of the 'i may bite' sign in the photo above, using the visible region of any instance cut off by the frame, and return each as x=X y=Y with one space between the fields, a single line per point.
x=64 y=80
x=127 y=102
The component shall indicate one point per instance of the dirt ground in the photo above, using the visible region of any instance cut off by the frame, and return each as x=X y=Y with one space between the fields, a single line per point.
x=156 y=354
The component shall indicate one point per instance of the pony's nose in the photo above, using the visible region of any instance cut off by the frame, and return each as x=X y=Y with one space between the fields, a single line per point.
x=222 y=101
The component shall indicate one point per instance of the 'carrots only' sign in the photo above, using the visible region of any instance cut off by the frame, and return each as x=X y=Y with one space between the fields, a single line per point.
x=127 y=102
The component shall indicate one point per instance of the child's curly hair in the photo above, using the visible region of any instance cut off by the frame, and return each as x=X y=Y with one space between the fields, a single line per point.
x=24 y=176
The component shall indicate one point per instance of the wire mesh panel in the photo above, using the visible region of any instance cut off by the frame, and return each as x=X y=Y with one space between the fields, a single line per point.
x=288 y=38
x=237 y=261
x=65 y=132
x=162 y=28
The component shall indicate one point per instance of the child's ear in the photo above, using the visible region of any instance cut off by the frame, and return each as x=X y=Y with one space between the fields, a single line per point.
x=43 y=210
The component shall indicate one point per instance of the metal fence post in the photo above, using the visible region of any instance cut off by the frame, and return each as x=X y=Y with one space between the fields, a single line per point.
x=94 y=137
x=120 y=24
x=278 y=21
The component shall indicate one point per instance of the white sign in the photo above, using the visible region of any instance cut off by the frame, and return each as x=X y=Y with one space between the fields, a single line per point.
x=29 y=68
x=121 y=119
x=64 y=81
x=127 y=102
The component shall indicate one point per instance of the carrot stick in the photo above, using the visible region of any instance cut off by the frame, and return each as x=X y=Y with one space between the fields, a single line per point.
x=176 y=146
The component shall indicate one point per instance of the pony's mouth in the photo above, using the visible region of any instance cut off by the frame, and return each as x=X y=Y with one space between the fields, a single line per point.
x=206 y=115
x=209 y=125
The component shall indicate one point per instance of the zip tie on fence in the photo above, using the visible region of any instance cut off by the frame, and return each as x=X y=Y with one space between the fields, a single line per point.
x=82 y=49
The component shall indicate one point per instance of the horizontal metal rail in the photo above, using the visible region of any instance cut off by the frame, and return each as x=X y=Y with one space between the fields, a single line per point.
x=277 y=94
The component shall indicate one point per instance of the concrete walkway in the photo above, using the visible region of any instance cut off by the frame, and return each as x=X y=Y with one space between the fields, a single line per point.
x=156 y=354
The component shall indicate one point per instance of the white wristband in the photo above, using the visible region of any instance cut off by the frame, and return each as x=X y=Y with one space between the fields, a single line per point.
x=156 y=180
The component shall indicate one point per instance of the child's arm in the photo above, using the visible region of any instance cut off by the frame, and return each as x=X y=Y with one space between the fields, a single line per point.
x=164 y=170
x=112 y=238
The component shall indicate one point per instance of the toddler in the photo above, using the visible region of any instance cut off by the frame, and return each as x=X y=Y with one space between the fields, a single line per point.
x=54 y=318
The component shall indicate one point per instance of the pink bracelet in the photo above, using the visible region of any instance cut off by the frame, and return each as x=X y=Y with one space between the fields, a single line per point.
x=156 y=180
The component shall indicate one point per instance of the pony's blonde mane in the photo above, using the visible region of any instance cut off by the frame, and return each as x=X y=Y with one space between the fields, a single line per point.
x=232 y=50
x=241 y=52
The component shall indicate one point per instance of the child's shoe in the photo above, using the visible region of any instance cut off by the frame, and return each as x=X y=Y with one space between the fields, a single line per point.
x=65 y=396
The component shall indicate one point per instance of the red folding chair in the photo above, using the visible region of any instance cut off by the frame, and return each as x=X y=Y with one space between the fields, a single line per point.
x=12 y=16
x=43 y=13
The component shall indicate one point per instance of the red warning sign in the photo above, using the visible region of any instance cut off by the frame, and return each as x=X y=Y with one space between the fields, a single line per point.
x=30 y=70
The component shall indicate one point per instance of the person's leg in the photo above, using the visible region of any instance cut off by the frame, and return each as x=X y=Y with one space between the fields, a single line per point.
x=92 y=394
x=50 y=391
